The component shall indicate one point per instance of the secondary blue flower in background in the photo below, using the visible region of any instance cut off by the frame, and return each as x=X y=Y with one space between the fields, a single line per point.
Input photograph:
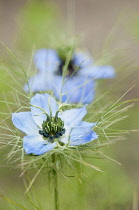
x=78 y=86
x=46 y=127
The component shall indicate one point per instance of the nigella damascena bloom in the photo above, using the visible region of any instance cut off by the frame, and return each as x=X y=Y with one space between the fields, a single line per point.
x=78 y=85
x=46 y=127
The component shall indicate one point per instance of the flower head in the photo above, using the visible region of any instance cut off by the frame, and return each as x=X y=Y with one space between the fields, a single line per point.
x=46 y=127
x=78 y=84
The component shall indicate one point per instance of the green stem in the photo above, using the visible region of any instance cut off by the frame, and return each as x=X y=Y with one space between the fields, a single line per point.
x=55 y=183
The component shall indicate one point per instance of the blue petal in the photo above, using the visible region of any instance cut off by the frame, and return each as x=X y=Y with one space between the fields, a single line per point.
x=106 y=72
x=77 y=89
x=79 y=131
x=24 y=122
x=41 y=82
x=46 y=102
x=85 y=91
x=73 y=117
x=36 y=145
x=84 y=139
x=89 y=97
x=37 y=83
x=46 y=60
x=86 y=124
x=98 y=72
x=82 y=59
x=82 y=129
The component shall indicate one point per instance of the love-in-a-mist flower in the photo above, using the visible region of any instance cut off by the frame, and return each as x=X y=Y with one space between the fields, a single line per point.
x=47 y=127
x=80 y=73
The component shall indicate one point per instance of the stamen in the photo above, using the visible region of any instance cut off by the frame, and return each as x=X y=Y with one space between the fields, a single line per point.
x=52 y=128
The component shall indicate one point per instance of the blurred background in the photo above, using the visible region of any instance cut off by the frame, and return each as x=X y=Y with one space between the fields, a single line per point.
x=110 y=30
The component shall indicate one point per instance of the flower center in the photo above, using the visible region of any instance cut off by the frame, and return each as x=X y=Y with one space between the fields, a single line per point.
x=52 y=128
x=63 y=54
x=70 y=68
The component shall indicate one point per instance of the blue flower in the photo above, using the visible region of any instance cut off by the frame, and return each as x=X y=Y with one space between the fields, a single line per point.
x=46 y=127
x=79 y=82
